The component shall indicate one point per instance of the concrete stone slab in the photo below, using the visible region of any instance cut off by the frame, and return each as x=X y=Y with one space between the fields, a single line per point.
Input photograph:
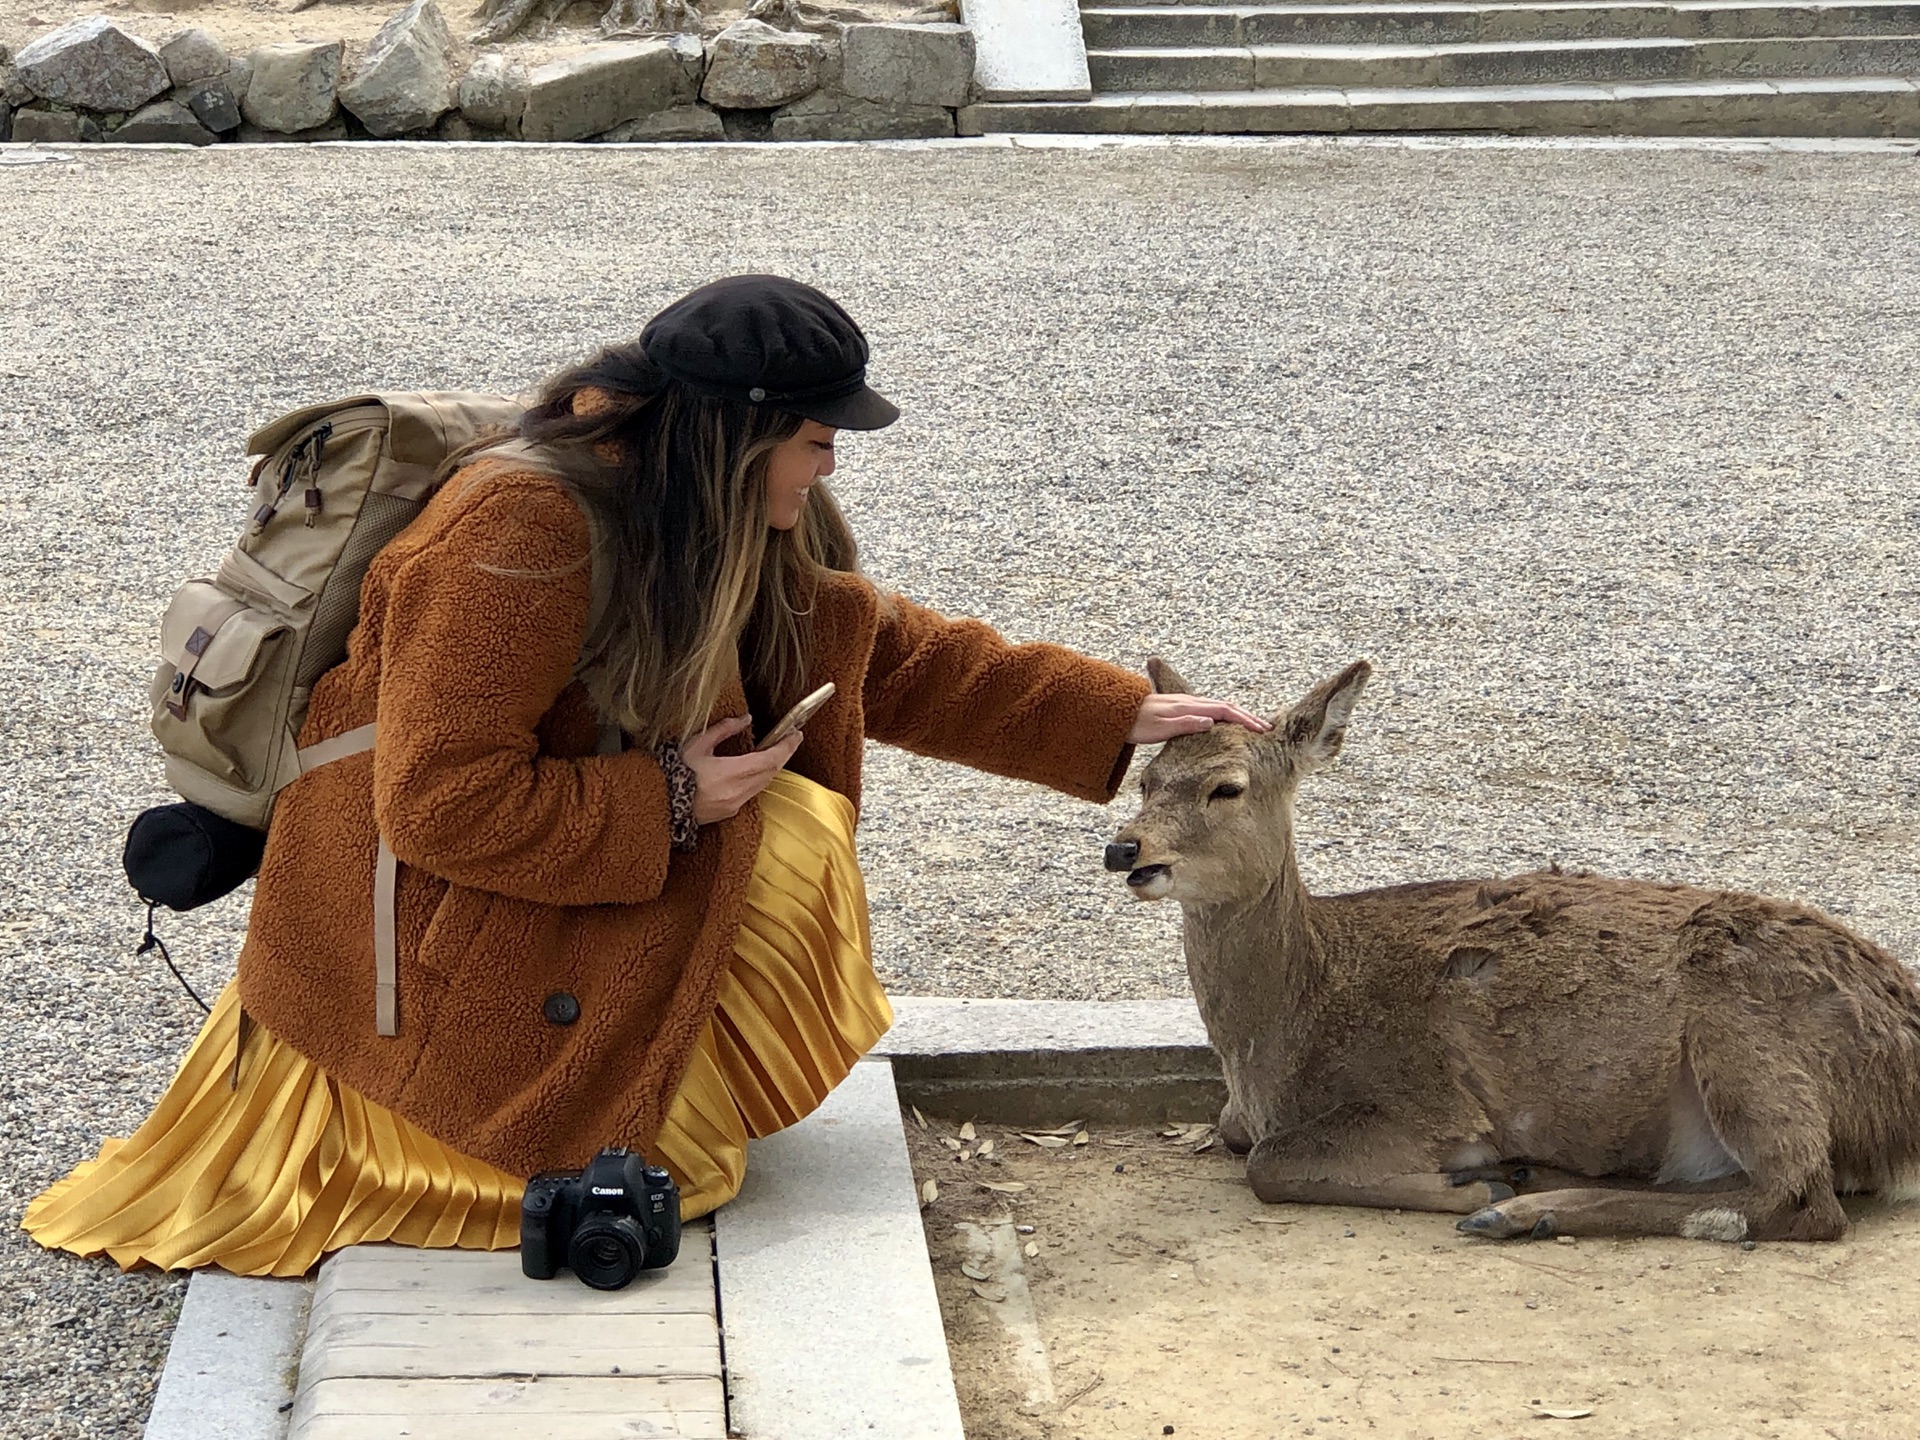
x=1296 y=66
x=1208 y=67
x=1122 y=26
x=1028 y=50
x=1358 y=24
x=831 y=1323
x=231 y=1367
x=1032 y=1062
x=1103 y=115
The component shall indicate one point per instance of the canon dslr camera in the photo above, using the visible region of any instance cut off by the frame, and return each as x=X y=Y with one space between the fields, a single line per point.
x=614 y=1219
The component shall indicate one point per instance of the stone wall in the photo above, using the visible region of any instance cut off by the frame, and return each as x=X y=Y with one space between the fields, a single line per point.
x=94 y=80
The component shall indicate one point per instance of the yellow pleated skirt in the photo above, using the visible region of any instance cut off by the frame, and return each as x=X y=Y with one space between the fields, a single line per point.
x=265 y=1178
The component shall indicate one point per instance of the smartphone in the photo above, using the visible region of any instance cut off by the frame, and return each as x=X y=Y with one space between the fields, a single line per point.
x=797 y=716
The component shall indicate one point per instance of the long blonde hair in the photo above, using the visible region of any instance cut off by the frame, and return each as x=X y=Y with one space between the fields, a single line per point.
x=702 y=588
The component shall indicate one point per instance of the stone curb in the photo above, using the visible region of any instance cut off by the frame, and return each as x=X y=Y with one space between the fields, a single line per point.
x=1040 y=1062
x=230 y=1369
x=27 y=153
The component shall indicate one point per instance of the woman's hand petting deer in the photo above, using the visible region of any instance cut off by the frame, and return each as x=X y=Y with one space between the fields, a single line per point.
x=1552 y=1053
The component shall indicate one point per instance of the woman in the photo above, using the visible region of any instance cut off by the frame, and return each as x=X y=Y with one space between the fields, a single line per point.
x=660 y=942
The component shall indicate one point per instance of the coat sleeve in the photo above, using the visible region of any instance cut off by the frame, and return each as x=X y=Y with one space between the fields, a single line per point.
x=482 y=630
x=955 y=690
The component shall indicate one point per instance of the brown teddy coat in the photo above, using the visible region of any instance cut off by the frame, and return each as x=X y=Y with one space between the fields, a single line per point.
x=531 y=867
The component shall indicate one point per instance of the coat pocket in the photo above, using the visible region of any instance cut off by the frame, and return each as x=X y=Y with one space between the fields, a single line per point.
x=215 y=700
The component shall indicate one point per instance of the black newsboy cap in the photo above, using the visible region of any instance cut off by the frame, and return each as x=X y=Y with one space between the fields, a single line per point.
x=769 y=341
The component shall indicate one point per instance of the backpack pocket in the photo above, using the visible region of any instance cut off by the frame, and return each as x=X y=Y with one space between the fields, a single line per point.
x=215 y=649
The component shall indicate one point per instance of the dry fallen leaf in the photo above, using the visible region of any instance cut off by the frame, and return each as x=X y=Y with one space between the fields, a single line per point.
x=949 y=1142
x=1267 y=1220
x=1066 y=1129
x=1553 y=1414
x=929 y=1193
x=967 y=1132
x=964 y=1155
x=986 y=1147
x=1005 y=1187
x=918 y=1118
x=1045 y=1142
x=1082 y=1138
x=975 y=1272
x=1031 y=1250
x=988 y=1292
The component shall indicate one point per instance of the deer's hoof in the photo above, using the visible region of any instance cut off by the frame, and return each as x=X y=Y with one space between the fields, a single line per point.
x=1496 y=1191
x=1543 y=1229
x=1491 y=1223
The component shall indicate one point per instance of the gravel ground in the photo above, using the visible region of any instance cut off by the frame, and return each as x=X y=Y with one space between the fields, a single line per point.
x=1605 y=457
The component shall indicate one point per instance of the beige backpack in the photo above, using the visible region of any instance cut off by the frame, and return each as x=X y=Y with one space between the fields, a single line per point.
x=240 y=652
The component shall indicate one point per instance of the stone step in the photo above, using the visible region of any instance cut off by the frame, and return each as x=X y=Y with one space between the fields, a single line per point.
x=1439 y=22
x=1857 y=106
x=1261 y=67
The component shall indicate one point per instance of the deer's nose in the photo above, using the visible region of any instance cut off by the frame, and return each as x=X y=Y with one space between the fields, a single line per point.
x=1122 y=853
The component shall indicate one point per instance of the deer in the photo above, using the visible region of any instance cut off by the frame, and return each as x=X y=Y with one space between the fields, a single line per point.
x=1552 y=1054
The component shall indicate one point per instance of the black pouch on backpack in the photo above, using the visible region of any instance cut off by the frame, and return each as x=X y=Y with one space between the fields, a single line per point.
x=184 y=855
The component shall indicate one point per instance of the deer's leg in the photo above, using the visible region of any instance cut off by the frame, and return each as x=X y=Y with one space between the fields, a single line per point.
x=1721 y=1215
x=1534 y=1179
x=1280 y=1178
x=1768 y=1112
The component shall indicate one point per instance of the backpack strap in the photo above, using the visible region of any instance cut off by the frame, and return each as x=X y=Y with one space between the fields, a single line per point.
x=386 y=866
x=386 y=874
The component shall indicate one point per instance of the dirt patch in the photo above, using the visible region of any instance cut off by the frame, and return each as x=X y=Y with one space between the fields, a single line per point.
x=240 y=25
x=1169 y=1301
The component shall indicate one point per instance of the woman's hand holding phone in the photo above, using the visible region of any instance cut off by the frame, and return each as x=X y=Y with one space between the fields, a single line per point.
x=724 y=783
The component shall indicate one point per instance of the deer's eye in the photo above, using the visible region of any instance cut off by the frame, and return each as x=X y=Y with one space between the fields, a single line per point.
x=1227 y=792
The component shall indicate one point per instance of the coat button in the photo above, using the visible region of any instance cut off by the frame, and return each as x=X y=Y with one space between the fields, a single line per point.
x=560 y=1008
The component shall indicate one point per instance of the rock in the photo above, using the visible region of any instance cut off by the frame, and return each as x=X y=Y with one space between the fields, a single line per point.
x=164 y=122
x=824 y=115
x=752 y=66
x=212 y=104
x=405 y=79
x=13 y=90
x=92 y=64
x=593 y=90
x=693 y=56
x=493 y=93
x=908 y=64
x=293 y=86
x=453 y=126
x=239 y=77
x=682 y=122
x=52 y=127
x=193 y=56
x=334 y=129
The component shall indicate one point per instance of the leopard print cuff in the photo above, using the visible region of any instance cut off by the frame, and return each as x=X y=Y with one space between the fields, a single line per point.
x=681 y=781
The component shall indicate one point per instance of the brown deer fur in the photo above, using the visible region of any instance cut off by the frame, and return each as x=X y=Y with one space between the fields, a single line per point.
x=1631 y=1057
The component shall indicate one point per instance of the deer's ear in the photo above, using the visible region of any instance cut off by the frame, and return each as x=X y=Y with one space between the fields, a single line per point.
x=1166 y=679
x=1315 y=728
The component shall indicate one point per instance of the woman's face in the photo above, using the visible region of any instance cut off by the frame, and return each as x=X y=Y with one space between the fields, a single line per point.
x=793 y=467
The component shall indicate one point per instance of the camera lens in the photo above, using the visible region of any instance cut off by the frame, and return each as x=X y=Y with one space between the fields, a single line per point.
x=607 y=1251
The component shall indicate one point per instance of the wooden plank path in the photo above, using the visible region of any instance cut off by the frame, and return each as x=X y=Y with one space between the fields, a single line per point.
x=405 y=1342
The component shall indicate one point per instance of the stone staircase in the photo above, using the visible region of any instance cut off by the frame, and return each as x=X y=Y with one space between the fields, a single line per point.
x=1827 y=68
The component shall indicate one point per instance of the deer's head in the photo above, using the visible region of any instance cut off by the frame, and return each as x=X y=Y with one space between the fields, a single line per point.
x=1216 y=813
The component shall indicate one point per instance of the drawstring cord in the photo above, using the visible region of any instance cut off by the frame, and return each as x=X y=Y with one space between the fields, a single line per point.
x=151 y=941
